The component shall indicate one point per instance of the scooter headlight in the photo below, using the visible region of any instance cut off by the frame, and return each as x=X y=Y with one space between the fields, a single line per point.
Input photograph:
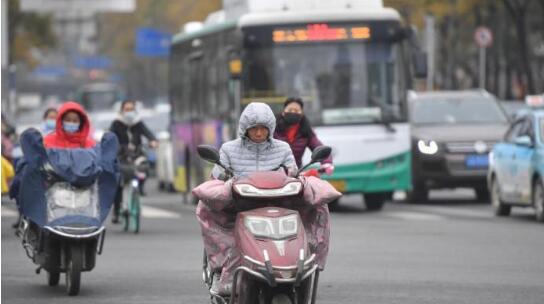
x=247 y=190
x=68 y=197
x=273 y=228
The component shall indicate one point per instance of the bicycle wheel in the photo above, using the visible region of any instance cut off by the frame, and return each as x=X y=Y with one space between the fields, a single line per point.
x=126 y=220
x=135 y=211
x=126 y=209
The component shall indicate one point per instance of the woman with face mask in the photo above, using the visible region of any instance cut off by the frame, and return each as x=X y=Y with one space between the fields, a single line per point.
x=130 y=130
x=71 y=128
x=49 y=121
x=294 y=128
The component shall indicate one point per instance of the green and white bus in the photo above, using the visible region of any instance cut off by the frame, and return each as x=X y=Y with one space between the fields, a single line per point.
x=351 y=65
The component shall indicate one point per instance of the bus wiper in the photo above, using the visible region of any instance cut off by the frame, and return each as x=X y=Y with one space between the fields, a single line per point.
x=387 y=125
x=385 y=122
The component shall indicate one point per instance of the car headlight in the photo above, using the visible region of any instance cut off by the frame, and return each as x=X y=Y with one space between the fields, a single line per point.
x=427 y=147
x=273 y=228
x=247 y=190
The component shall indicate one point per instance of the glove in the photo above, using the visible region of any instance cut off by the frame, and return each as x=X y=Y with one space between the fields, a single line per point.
x=311 y=172
x=326 y=169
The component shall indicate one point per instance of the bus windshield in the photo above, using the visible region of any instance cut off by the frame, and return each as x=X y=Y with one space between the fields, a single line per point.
x=341 y=83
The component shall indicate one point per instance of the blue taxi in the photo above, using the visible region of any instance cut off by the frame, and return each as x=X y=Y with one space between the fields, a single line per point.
x=516 y=165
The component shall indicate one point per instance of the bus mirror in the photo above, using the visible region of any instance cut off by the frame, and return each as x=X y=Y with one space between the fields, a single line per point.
x=420 y=64
x=235 y=67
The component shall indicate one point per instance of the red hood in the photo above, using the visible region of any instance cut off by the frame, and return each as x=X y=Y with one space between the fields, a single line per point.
x=61 y=139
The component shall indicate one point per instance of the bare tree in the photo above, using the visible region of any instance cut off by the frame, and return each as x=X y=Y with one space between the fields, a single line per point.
x=518 y=11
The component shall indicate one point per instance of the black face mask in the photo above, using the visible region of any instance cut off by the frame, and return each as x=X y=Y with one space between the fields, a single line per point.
x=292 y=118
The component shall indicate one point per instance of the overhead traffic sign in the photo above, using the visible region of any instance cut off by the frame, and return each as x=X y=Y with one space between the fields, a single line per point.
x=52 y=6
x=151 y=42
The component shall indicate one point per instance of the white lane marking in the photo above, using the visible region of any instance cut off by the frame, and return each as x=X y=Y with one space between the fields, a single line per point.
x=147 y=212
x=152 y=212
x=448 y=211
x=8 y=212
x=415 y=216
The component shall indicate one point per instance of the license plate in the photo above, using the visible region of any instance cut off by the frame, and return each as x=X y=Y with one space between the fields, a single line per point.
x=339 y=185
x=477 y=161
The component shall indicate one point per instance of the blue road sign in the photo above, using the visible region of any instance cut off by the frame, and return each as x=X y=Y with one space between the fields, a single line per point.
x=92 y=62
x=151 y=42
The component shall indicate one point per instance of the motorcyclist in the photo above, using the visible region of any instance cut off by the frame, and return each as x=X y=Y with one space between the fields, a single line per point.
x=71 y=131
x=294 y=128
x=72 y=128
x=254 y=150
x=129 y=129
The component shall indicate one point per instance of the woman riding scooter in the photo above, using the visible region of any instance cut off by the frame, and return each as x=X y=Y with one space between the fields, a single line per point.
x=254 y=151
x=295 y=129
x=64 y=189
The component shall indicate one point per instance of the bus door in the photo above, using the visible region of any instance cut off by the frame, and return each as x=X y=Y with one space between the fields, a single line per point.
x=195 y=172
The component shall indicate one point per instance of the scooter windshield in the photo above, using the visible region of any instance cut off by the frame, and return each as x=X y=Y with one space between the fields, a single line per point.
x=65 y=200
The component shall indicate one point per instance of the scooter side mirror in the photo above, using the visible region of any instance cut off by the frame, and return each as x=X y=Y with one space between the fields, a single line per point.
x=320 y=154
x=208 y=153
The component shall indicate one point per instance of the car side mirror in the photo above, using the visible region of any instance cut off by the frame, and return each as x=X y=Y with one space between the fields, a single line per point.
x=523 y=141
x=208 y=153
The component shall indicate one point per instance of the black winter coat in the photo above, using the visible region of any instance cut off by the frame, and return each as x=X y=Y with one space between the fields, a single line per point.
x=137 y=130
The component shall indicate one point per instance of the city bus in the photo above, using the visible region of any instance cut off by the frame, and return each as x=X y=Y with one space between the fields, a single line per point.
x=352 y=66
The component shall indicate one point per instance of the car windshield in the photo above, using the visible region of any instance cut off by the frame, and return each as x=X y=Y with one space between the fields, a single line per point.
x=457 y=111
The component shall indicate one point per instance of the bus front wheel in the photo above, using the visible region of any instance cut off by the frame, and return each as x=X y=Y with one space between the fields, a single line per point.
x=375 y=201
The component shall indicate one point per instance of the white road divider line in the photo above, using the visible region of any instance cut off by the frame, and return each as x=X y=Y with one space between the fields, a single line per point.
x=147 y=212
x=449 y=211
x=152 y=212
x=8 y=212
x=415 y=216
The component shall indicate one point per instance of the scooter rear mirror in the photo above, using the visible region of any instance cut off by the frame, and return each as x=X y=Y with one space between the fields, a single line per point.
x=321 y=153
x=208 y=153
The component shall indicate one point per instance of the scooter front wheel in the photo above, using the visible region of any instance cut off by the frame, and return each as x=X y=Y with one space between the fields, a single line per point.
x=74 y=266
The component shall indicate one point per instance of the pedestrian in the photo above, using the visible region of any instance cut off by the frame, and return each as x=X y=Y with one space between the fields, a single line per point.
x=71 y=128
x=294 y=128
x=49 y=121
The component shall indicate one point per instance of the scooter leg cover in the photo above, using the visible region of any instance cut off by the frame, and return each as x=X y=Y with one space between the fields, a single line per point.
x=317 y=222
x=319 y=192
x=234 y=260
x=217 y=234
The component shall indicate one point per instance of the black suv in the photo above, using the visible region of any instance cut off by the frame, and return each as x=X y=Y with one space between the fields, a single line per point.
x=452 y=134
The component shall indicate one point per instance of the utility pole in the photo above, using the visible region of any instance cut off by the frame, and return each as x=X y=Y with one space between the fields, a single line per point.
x=430 y=46
x=5 y=56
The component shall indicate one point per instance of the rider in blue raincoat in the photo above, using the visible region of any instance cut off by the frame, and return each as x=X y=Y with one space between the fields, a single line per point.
x=80 y=167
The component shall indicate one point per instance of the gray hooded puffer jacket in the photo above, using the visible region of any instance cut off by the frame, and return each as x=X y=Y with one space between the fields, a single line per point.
x=244 y=156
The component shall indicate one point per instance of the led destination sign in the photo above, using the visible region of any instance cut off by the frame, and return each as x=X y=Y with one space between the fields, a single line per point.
x=321 y=32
